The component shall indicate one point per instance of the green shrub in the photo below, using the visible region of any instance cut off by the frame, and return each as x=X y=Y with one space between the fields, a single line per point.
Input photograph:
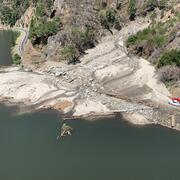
x=132 y=9
x=162 y=4
x=150 y=5
x=170 y=58
x=40 y=10
x=41 y=29
x=83 y=38
x=109 y=19
x=132 y=40
x=152 y=35
x=69 y=52
x=153 y=17
x=16 y=59
x=42 y=7
x=159 y=41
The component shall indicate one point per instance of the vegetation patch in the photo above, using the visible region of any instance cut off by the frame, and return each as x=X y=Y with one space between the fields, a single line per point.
x=154 y=43
x=69 y=53
x=9 y=14
x=109 y=19
x=150 y=5
x=16 y=59
x=43 y=25
x=76 y=42
x=83 y=38
x=154 y=36
x=170 y=58
x=41 y=29
x=132 y=9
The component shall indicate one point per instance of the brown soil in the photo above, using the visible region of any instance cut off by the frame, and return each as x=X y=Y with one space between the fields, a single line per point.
x=61 y=106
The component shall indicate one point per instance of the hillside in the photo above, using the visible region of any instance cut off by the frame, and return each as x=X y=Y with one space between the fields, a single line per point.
x=62 y=30
x=160 y=44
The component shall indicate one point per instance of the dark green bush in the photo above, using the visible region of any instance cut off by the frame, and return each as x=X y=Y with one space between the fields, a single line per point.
x=40 y=10
x=170 y=58
x=41 y=29
x=68 y=53
x=132 y=9
x=109 y=19
x=132 y=40
x=16 y=59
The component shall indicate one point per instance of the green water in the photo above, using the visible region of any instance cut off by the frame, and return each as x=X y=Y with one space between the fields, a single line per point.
x=5 y=47
x=107 y=149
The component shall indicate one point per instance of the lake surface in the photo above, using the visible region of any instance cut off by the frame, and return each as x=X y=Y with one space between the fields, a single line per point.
x=5 y=47
x=107 y=149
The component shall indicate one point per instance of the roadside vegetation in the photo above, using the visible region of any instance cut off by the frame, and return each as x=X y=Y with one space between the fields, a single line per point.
x=15 y=35
x=16 y=59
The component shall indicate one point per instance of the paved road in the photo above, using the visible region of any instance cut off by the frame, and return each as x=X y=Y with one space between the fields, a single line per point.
x=23 y=41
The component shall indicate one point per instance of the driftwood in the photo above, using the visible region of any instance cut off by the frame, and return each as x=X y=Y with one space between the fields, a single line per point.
x=65 y=131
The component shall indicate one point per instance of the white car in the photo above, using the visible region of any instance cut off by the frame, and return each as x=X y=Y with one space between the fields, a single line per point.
x=175 y=102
